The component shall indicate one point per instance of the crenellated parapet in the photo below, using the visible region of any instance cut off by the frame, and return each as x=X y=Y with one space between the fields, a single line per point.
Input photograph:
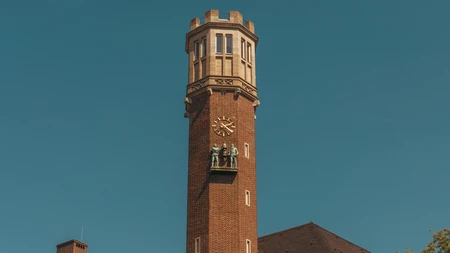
x=213 y=16
x=212 y=20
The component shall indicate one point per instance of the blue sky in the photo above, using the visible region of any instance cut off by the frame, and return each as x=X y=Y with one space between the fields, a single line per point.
x=352 y=131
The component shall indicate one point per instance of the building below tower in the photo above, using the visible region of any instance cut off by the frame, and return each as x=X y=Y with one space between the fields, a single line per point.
x=307 y=238
x=72 y=246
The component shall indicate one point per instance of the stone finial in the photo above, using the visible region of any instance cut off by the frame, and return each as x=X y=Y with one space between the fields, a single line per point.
x=211 y=16
x=187 y=107
x=236 y=17
x=195 y=22
x=250 y=25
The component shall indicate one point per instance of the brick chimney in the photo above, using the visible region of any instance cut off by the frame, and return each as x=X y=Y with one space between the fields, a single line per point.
x=72 y=246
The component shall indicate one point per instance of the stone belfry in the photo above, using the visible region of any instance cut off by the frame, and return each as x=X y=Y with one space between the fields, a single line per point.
x=221 y=100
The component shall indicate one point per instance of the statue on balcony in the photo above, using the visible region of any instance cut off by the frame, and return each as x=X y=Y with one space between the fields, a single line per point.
x=215 y=151
x=215 y=156
x=233 y=156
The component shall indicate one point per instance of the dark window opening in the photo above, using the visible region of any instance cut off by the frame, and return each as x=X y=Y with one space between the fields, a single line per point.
x=196 y=50
x=229 y=44
x=203 y=47
x=219 y=44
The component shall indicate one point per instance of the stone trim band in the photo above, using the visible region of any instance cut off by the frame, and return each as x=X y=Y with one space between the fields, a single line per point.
x=220 y=82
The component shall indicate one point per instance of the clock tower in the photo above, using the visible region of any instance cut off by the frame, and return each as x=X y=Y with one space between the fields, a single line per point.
x=221 y=99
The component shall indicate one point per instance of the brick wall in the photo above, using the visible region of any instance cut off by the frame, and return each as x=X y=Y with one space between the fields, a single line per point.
x=217 y=212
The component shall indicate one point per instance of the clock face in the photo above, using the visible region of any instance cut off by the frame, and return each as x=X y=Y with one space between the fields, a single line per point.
x=223 y=126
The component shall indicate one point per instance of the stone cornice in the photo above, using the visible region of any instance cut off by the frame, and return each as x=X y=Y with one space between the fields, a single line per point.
x=220 y=25
x=234 y=83
x=71 y=242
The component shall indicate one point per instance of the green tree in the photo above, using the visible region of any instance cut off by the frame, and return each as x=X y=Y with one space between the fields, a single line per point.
x=439 y=244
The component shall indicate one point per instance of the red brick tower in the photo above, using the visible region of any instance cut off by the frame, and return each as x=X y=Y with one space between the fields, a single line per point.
x=72 y=246
x=220 y=104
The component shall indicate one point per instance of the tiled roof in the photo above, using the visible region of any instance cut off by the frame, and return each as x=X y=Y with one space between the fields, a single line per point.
x=308 y=238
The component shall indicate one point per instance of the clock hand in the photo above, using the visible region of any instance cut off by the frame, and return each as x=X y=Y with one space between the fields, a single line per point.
x=224 y=126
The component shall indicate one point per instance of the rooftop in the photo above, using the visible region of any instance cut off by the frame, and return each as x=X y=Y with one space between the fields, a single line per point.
x=307 y=238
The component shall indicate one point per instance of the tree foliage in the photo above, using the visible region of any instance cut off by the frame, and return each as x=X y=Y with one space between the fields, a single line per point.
x=439 y=244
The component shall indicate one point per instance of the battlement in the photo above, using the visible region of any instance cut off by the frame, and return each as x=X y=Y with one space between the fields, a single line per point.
x=213 y=16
